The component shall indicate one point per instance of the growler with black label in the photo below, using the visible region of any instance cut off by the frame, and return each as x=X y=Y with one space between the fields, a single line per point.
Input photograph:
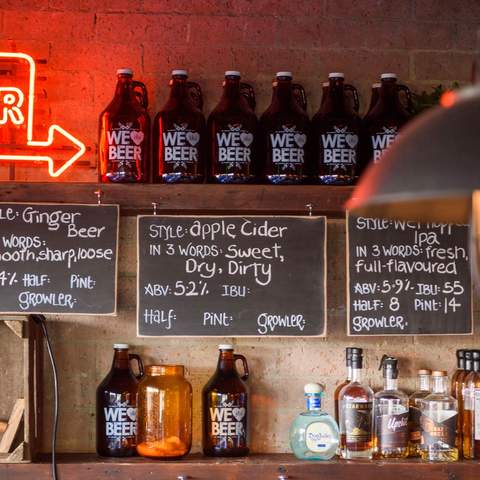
x=117 y=406
x=225 y=405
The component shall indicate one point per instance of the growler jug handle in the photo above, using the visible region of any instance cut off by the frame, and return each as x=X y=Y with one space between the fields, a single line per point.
x=245 y=365
x=134 y=356
x=300 y=95
x=249 y=93
x=356 y=101
x=408 y=95
x=195 y=94
x=142 y=95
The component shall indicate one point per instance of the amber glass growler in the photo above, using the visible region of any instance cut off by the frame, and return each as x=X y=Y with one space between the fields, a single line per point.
x=124 y=133
x=164 y=412
x=232 y=128
x=225 y=404
x=117 y=406
x=178 y=135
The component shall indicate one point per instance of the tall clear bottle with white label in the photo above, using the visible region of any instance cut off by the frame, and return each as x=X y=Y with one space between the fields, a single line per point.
x=225 y=405
x=117 y=406
x=314 y=433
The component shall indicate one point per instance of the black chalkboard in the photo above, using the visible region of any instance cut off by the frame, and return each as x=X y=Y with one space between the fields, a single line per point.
x=58 y=258
x=231 y=276
x=406 y=278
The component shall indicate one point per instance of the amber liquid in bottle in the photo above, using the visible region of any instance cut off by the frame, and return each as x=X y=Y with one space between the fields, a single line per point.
x=463 y=420
x=471 y=407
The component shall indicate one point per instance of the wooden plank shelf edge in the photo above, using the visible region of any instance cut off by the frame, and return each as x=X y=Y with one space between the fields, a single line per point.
x=265 y=467
x=189 y=199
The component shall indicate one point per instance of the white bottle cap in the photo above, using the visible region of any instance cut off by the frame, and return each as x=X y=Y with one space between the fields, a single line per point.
x=388 y=75
x=313 y=388
x=121 y=346
x=179 y=72
x=284 y=74
x=125 y=71
x=225 y=346
x=232 y=73
x=336 y=75
x=376 y=85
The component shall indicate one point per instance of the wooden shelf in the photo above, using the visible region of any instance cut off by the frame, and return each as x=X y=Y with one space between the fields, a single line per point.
x=265 y=467
x=188 y=199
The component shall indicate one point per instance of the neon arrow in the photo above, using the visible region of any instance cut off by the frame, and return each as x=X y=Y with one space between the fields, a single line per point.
x=54 y=131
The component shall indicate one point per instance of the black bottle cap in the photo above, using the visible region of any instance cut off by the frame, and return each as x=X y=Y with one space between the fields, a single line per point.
x=468 y=360
x=475 y=354
x=357 y=359
x=390 y=367
x=461 y=353
x=348 y=356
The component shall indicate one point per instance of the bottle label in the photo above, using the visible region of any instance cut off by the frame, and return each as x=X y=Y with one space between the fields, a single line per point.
x=358 y=421
x=120 y=420
x=382 y=140
x=441 y=429
x=339 y=147
x=287 y=147
x=125 y=146
x=477 y=414
x=319 y=437
x=392 y=430
x=234 y=145
x=180 y=147
x=415 y=435
x=228 y=419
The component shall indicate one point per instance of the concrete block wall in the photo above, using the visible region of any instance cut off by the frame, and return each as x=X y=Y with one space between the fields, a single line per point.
x=426 y=42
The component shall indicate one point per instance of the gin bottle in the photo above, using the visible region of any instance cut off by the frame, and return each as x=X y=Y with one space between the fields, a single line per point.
x=314 y=433
x=439 y=422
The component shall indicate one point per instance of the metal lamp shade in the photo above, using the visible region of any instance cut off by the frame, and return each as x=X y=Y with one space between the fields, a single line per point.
x=431 y=171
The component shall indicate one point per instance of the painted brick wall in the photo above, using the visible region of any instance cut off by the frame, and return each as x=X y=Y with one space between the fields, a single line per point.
x=426 y=42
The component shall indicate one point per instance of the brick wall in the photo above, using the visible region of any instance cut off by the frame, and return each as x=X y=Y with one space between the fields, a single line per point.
x=84 y=41
x=425 y=41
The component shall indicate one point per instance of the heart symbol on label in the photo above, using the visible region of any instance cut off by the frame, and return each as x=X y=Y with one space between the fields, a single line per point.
x=137 y=136
x=193 y=138
x=351 y=140
x=300 y=139
x=246 y=138
x=238 y=413
x=132 y=414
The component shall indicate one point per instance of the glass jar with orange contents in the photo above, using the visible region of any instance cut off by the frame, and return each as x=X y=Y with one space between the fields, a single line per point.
x=164 y=412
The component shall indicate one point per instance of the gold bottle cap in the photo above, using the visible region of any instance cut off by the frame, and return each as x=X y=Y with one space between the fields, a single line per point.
x=424 y=371
x=439 y=373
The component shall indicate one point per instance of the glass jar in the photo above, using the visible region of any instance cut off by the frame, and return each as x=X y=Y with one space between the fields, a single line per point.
x=164 y=412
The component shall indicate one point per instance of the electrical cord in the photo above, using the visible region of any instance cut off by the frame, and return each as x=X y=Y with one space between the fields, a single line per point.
x=40 y=320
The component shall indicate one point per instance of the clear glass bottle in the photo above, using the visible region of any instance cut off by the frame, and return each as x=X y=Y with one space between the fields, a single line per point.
x=460 y=369
x=439 y=422
x=314 y=433
x=390 y=414
x=471 y=410
x=348 y=362
x=356 y=415
x=415 y=428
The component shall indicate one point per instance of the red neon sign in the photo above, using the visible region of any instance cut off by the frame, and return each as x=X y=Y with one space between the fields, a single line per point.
x=13 y=103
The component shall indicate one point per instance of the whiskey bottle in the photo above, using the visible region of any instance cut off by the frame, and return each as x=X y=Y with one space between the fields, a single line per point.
x=460 y=390
x=348 y=362
x=314 y=433
x=390 y=414
x=415 y=428
x=356 y=414
x=460 y=369
x=471 y=414
x=439 y=422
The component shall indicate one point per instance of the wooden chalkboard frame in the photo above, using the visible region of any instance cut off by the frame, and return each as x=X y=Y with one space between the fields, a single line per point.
x=43 y=312
x=325 y=306
x=349 y=334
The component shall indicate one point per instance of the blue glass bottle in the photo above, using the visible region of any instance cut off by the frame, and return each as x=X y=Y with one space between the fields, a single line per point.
x=314 y=433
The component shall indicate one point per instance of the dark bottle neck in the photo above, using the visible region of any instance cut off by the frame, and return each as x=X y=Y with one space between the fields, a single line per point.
x=179 y=89
x=335 y=101
x=226 y=364
x=124 y=89
x=388 y=94
x=283 y=94
x=231 y=91
x=121 y=360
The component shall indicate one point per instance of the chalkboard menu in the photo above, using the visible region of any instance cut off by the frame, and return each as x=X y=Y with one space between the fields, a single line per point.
x=407 y=278
x=58 y=258
x=231 y=276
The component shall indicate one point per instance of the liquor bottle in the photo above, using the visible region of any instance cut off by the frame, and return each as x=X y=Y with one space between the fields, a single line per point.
x=460 y=369
x=225 y=405
x=124 y=133
x=335 y=135
x=390 y=414
x=232 y=127
x=284 y=135
x=314 y=433
x=460 y=388
x=178 y=132
x=117 y=406
x=414 y=402
x=348 y=362
x=439 y=422
x=356 y=415
x=471 y=410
